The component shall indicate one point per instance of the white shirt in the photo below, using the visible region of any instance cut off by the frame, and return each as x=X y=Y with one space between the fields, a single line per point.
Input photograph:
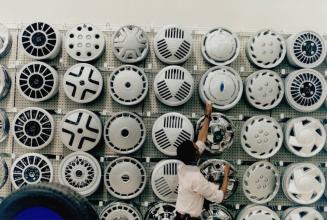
x=193 y=188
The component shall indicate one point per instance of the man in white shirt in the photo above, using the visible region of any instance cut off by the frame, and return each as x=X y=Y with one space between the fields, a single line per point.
x=193 y=187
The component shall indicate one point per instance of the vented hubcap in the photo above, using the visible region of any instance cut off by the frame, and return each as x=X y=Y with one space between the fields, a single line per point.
x=264 y=89
x=33 y=128
x=124 y=132
x=128 y=85
x=164 y=180
x=84 y=42
x=216 y=212
x=173 y=85
x=161 y=211
x=221 y=132
x=306 y=49
x=3 y=172
x=173 y=44
x=81 y=172
x=120 y=211
x=130 y=44
x=257 y=212
x=222 y=86
x=82 y=83
x=261 y=182
x=266 y=49
x=302 y=213
x=303 y=183
x=220 y=46
x=125 y=178
x=261 y=137
x=213 y=170
x=5 y=40
x=305 y=90
x=5 y=82
x=4 y=125
x=40 y=41
x=305 y=136
x=80 y=130
x=37 y=81
x=170 y=130
x=31 y=168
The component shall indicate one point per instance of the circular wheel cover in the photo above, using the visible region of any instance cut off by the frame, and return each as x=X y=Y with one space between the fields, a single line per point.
x=162 y=211
x=170 y=130
x=37 y=81
x=306 y=49
x=264 y=89
x=40 y=41
x=3 y=172
x=256 y=212
x=164 y=180
x=305 y=136
x=130 y=44
x=124 y=132
x=266 y=49
x=220 y=134
x=6 y=40
x=80 y=130
x=213 y=170
x=261 y=182
x=173 y=45
x=81 y=172
x=82 y=83
x=33 y=128
x=216 y=212
x=125 y=178
x=261 y=137
x=4 y=125
x=120 y=211
x=303 y=183
x=173 y=85
x=31 y=168
x=5 y=82
x=128 y=85
x=305 y=90
x=84 y=42
x=301 y=213
x=222 y=86
x=220 y=46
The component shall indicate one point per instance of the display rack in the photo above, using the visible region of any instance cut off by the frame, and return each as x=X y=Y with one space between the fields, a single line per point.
x=149 y=110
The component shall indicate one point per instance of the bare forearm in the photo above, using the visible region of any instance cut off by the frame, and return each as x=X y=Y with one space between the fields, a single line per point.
x=224 y=185
x=202 y=136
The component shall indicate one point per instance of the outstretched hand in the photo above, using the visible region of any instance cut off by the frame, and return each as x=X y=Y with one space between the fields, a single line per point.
x=226 y=170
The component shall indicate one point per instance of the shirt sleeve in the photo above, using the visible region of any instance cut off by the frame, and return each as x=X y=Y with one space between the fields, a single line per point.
x=201 y=145
x=207 y=189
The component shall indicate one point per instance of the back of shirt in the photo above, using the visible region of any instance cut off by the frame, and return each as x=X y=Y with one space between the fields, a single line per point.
x=192 y=190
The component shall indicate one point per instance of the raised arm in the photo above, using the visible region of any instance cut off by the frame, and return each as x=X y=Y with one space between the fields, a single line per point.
x=225 y=181
x=203 y=133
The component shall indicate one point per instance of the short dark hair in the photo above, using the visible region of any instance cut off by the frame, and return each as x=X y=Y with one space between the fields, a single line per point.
x=186 y=152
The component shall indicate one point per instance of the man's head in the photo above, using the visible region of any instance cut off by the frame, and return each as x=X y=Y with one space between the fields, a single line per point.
x=188 y=153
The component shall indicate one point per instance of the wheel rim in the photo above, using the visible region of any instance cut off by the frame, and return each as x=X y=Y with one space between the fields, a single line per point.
x=81 y=172
x=33 y=128
x=31 y=168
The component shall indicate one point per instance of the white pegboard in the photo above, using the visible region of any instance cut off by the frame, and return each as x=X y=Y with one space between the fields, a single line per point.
x=149 y=110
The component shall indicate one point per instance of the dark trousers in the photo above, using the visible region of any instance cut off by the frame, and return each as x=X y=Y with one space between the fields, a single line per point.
x=185 y=217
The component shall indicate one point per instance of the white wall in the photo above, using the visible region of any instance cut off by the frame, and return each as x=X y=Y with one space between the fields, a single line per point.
x=239 y=15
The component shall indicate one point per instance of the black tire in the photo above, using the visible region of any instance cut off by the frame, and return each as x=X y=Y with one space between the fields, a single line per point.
x=60 y=199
